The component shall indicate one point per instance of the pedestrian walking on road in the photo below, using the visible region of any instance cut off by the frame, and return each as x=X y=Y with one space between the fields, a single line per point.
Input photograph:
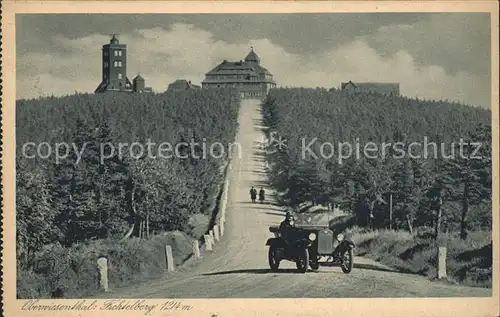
x=262 y=195
x=253 y=194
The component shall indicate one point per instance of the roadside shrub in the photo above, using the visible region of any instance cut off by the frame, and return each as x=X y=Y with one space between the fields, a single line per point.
x=469 y=261
x=199 y=223
x=59 y=272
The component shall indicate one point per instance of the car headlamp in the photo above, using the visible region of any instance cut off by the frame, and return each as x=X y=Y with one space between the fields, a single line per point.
x=340 y=237
x=312 y=236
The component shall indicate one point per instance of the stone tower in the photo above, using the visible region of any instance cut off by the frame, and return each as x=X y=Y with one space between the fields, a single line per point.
x=114 y=67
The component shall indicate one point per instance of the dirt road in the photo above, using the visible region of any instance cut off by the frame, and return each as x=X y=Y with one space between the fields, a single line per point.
x=238 y=266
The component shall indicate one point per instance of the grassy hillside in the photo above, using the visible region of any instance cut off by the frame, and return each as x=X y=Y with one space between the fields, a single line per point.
x=469 y=261
x=91 y=193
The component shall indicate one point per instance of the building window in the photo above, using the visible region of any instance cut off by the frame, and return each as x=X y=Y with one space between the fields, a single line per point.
x=116 y=53
x=119 y=76
x=119 y=63
x=119 y=53
x=105 y=64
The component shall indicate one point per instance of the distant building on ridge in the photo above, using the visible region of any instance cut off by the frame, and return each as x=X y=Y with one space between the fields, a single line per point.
x=182 y=85
x=248 y=76
x=114 y=70
x=381 y=88
x=139 y=85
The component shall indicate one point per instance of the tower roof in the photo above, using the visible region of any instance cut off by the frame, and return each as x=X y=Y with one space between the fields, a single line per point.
x=252 y=57
x=114 y=40
x=138 y=78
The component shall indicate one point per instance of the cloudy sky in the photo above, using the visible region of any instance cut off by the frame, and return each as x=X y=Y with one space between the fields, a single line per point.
x=432 y=55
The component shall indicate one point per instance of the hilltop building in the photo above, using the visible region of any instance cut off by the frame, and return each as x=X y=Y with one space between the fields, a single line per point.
x=381 y=88
x=139 y=84
x=182 y=85
x=114 y=70
x=248 y=76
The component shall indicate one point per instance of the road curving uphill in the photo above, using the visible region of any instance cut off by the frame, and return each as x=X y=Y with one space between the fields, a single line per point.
x=238 y=267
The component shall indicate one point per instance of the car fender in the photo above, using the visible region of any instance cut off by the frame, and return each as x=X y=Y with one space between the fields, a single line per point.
x=275 y=241
x=344 y=245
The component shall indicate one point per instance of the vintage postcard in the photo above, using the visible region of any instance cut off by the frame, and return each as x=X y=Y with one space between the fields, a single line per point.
x=250 y=158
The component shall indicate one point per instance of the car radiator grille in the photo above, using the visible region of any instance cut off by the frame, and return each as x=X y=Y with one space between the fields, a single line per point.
x=325 y=242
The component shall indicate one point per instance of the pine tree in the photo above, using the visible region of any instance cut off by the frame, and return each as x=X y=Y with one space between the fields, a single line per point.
x=472 y=172
x=34 y=215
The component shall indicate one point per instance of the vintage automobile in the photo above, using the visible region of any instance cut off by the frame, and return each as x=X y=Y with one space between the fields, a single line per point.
x=306 y=241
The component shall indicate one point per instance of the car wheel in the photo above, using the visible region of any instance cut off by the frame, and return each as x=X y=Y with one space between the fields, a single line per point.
x=314 y=265
x=347 y=261
x=302 y=261
x=274 y=263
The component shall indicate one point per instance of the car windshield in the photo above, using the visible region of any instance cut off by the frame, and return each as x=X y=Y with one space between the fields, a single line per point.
x=311 y=219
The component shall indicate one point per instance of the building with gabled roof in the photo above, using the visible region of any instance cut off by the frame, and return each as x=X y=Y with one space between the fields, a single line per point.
x=139 y=84
x=248 y=76
x=182 y=85
x=367 y=87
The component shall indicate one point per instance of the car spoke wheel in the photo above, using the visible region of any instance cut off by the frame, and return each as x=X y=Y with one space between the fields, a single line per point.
x=303 y=260
x=274 y=263
x=347 y=261
x=314 y=265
